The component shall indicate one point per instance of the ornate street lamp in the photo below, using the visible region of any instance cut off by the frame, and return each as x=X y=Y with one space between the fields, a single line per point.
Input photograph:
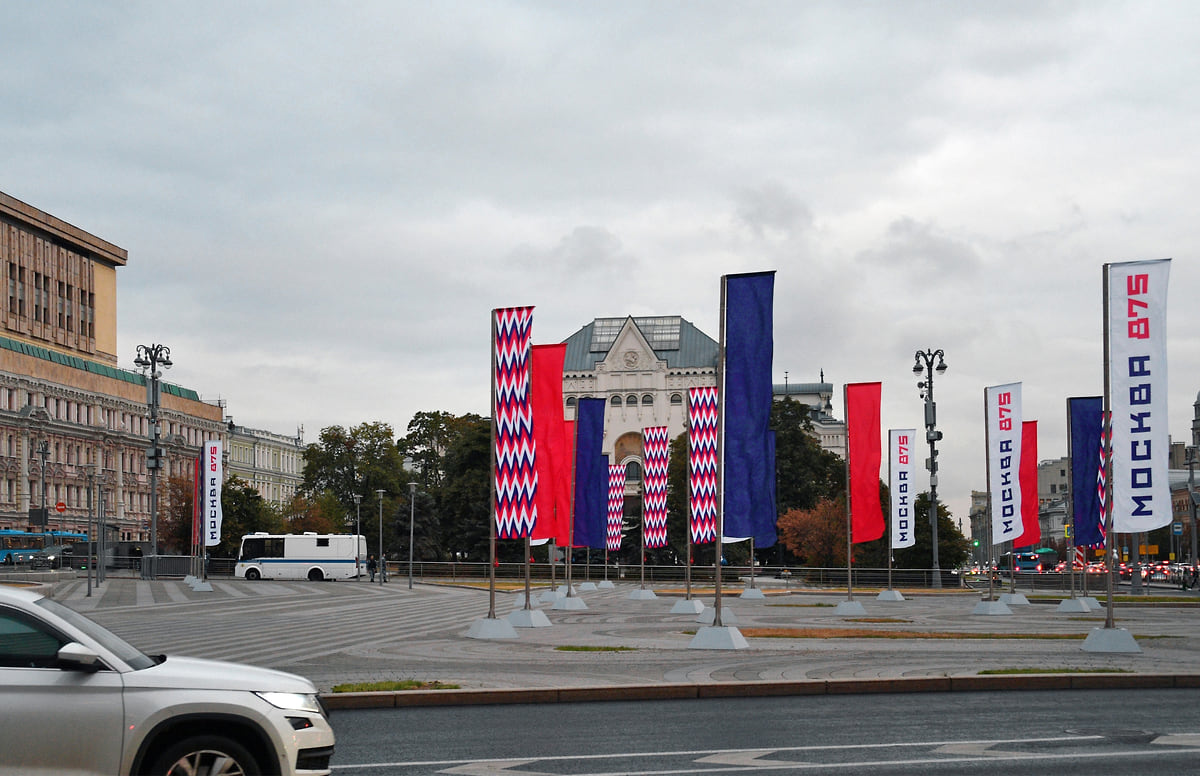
x=357 y=533
x=149 y=359
x=925 y=364
x=382 y=560
x=43 y=452
x=412 y=515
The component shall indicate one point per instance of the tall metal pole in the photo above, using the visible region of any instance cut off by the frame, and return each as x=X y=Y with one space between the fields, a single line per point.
x=924 y=362
x=43 y=452
x=149 y=359
x=1110 y=539
x=382 y=560
x=357 y=533
x=91 y=542
x=1191 y=462
x=412 y=516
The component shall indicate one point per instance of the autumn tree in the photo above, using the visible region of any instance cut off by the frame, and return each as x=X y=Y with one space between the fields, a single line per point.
x=816 y=536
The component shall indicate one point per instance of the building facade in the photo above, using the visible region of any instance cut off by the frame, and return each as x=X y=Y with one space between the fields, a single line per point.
x=829 y=431
x=69 y=416
x=273 y=464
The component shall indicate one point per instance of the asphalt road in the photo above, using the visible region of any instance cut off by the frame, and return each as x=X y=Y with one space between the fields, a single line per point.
x=1033 y=732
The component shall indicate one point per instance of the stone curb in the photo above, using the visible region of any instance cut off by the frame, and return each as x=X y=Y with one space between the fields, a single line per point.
x=413 y=698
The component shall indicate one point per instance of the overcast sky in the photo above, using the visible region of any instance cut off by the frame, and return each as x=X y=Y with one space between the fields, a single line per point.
x=323 y=201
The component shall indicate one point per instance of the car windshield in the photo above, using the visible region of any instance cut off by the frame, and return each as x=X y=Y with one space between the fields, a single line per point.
x=113 y=643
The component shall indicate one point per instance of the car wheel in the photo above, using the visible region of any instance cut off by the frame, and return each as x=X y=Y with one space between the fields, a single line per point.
x=212 y=755
x=315 y=575
x=253 y=574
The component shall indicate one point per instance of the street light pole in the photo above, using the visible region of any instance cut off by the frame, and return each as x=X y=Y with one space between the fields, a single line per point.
x=43 y=452
x=382 y=560
x=925 y=364
x=412 y=514
x=149 y=359
x=1191 y=464
x=357 y=533
x=91 y=542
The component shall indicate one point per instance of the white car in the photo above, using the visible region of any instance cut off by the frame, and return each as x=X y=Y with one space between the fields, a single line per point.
x=75 y=698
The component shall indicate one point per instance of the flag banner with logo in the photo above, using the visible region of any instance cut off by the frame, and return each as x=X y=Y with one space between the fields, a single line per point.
x=214 y=478
x=863 y=456
x=656 y=448
x=197 y=501
x=1031 y=530
x=616 y=506
x=902 y=482
x=591 y=475
x=1084 y=415
x=702 y=463
x=748 y=484
x=1002 y=406
x=1137 y=391
x=553 y=451
x=515 y=471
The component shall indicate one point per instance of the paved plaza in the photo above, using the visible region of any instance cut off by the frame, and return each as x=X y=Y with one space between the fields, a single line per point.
x=335 y=632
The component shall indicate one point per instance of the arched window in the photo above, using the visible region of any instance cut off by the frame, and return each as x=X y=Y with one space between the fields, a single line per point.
x=633 y=472
x=647 y=400
x=570 y=401
x=676 y=399
x=615 y=401
x=631 y=400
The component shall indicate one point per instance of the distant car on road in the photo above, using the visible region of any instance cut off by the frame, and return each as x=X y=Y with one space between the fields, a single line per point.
x=54 y=557
x=74 y=698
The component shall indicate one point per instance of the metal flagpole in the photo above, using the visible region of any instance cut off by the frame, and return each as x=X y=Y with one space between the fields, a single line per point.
x=492 y=487
x=1110 y=540
x=1070 y=522
x=720 y=459
x=987 y=446
x=849 y=538
x=527 y=562
x=892 y=514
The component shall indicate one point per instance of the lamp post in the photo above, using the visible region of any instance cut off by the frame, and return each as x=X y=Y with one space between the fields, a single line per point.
x=149 y=359
x=925 y=364
x=412 y=514
x=1191 y=464
x=382 y=560
x=91 y=542
x=43 y=451
x=357 y=533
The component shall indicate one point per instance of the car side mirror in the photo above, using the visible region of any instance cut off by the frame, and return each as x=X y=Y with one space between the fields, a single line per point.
x=76 y=657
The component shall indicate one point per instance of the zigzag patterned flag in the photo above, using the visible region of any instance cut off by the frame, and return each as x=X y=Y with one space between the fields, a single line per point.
x=616 y=506
x=702 y=463
x=656 y=448
x=1101 y=482
x=516 y=477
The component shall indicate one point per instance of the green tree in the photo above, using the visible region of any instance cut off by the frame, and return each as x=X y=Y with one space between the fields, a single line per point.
x=805 y=473
x=175 y=516
x=429 y=437
x=243 y=512
x=953 y=547
x=464 y=499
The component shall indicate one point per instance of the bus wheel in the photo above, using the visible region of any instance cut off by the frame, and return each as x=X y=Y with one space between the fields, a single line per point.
x=315 y=575
x=253 y=574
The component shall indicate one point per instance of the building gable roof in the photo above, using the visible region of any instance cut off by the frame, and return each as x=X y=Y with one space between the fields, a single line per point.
x=672 y=338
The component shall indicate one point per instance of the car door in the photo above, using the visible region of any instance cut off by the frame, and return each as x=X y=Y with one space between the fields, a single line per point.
x=54 y=720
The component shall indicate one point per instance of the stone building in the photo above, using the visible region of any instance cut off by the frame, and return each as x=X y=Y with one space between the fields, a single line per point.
x=66 y=408
x=273 y=464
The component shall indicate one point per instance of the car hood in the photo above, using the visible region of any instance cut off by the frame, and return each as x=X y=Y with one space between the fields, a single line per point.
x=197 y=673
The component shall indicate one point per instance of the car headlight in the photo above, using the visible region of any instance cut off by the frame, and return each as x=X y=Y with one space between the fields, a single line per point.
x=292 y=701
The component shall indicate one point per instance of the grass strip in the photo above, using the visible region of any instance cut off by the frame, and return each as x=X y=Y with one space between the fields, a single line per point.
x=866 y=633
x=1022 y=671
x=570 y=648
x=404 y=684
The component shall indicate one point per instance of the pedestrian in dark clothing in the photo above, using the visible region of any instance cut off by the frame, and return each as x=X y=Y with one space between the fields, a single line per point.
x=372 y=566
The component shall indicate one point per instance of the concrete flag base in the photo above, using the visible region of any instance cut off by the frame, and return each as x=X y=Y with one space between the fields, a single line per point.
x=585 y=587
x=991 y=608
x=569 y=604
x=1110 y=640
x=529 y=618
x=1073 y=606
x=719 y=638
x=850 y=609
x=889 y=595
x=605 y=585
x=688 y=606
x=642 y=595
x=752 y=593
x=491 y=628
x=1014 y=599
x=1091 y=601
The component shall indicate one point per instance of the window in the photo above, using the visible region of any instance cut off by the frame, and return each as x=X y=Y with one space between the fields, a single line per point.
x=676 y=399
x=615 y=401
x=633 y=472
x=323 y=541
x=631 y=400
x=25 y=644
x=647 y=400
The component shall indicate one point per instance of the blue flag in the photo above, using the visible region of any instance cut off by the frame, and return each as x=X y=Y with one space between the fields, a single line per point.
x=1084 y=419
x=749 y=480
x=591 y=475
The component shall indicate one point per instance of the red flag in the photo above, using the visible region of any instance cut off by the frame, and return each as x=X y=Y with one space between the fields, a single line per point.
x=1031 y=534
x=864 y=455
x=553 y=461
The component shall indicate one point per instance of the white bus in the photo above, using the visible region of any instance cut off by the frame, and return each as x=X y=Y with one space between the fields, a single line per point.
x=309 y=555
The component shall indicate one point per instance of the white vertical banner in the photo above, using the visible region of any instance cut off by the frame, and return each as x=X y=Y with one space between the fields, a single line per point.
x=212 y=471
x=902 y=484
x=1137 y=388
x=1002 y=405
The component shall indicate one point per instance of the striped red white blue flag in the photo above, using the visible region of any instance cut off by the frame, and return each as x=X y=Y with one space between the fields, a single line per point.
x=616 y=506
x=702 y=463
x=515 y=472
x=656 y=449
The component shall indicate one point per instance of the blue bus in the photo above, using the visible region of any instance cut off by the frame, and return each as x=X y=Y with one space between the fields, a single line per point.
x=1031 y=562
x=20 y=546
